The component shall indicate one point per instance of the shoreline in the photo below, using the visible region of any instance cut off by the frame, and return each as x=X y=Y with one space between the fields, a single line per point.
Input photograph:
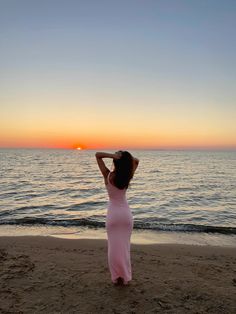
x=139 y=236
x=51 y=275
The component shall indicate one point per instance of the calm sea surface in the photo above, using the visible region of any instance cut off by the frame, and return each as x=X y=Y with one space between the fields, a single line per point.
x=171 y=190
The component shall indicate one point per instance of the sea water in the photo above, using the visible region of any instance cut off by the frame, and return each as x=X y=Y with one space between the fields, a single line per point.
x=180 y=191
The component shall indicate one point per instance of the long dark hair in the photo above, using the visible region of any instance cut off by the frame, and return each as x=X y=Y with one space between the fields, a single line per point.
x=123 y=170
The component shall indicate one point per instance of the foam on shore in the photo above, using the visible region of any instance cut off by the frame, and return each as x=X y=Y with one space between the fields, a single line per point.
x=138 y=236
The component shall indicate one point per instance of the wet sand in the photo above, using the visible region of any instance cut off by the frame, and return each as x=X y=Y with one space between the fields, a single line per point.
x=51 y=275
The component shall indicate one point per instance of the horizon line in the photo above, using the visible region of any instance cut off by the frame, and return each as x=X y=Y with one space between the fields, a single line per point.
x=194 y=148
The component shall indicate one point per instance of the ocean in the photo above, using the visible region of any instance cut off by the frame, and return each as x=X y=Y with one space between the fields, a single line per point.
x=181 y=191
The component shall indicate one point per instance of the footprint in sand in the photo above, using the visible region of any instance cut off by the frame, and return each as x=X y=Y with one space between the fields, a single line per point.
x=17 y=265
x=3 y=254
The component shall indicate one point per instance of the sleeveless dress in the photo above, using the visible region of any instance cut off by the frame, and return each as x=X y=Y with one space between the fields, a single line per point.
x=119 y=225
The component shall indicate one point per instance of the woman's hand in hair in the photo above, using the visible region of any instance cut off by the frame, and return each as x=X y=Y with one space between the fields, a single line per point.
x=117 y=155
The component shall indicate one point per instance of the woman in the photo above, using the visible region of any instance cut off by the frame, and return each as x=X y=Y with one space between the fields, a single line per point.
x=119 y=220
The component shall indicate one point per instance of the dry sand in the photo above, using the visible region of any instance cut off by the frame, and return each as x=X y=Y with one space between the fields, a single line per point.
x=50 y=275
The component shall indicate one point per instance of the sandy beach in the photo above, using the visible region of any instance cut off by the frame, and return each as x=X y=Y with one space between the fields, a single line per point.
x=51 y=275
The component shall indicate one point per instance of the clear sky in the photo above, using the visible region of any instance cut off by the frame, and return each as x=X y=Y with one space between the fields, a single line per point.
x=118 y=74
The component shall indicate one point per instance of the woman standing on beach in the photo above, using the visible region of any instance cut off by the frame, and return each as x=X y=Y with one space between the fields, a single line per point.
x=119 y=220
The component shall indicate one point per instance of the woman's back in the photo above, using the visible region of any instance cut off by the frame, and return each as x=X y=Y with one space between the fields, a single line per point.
x=115 y=194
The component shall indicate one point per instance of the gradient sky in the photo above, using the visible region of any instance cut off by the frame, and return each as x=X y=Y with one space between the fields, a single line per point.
x=117 y=74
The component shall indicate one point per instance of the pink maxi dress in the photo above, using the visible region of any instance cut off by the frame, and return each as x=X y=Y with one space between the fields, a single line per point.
x=119 y=225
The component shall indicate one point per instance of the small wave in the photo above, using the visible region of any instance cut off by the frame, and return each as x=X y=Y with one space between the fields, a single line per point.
x=32 y=207
x=154 y=171
x=181 y=189
x=54 y=222
x=188 y=228
x=84 y=205
x=6 y=194
x=99 y=222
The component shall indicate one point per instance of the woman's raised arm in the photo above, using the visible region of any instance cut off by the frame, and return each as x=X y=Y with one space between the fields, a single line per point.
x=104 y=155
x=99 y=155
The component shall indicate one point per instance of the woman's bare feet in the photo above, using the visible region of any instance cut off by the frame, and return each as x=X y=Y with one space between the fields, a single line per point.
x=120 y=282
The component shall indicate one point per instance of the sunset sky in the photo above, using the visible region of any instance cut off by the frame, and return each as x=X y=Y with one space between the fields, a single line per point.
x=118 y=74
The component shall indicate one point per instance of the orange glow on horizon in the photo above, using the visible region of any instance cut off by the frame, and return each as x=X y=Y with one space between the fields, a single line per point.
x=113 y=140
x=118 y=144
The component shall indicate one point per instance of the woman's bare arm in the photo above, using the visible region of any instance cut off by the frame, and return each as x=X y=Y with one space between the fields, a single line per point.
x=99 y=155
x=104 y=155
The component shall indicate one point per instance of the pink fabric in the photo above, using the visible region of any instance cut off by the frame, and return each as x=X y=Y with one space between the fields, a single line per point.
x=119 y=225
